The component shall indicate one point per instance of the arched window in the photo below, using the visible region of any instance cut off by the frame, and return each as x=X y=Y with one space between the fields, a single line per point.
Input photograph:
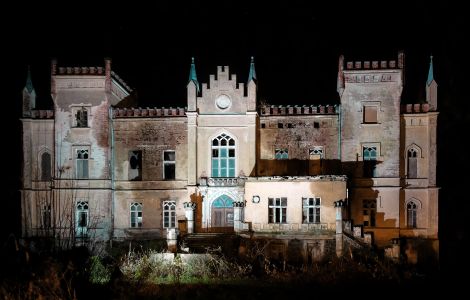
x=223 y=156
x=136 y=215
x=46 y=166
x=411 y=214
x=412 y=163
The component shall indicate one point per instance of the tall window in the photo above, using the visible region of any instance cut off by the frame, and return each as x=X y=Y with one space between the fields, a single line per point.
x=277 y=210
x=223 y=156
x=412 y=163
x=169 y=164
x=136 y=215
x=411 y=214
x=370 y=114
x=281 y=153
x=311 y=210
x=135 y=165
x=81 y=117
x=369 y=160
x=46 y=216
x=369 y=208
x=81 y=160
x=81 y=218
x=46 y=166
x=169 y=214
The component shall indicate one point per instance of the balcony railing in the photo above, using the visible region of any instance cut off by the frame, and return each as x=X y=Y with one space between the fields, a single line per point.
x=222 y=181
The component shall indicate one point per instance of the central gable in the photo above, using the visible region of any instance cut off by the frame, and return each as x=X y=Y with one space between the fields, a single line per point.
x=223 y=95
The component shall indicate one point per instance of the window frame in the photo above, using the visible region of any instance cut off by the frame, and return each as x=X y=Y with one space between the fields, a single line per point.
x=131 y=154
x=412 y=214
x=82 y=207
x=311 y=210
x=167 y=163
x=134 y=209
x=229 y=161
x=281 y=153
x=169 y=221
x=277 y=210
x=80 y=108
x=76 y=160
x=44 y=175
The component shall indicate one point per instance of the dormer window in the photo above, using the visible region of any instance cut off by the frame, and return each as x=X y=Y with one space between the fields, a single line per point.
x=81 y=117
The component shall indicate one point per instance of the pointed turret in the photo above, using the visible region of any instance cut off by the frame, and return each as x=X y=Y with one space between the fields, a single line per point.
x=193 y=75
x=29 y=96
x=192 y=87
x=431 y=88
x=252 y=74
x=252 y=86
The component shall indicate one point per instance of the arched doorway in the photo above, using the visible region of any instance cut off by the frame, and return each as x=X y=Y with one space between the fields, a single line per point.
x=222 y=213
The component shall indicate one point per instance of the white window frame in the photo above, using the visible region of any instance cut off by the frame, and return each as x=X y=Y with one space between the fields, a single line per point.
x=82 y=208
x=311 y=210
x=76 y=151
x=136 y=213
x=277 y=210
x=169 y=214
x=219 y=159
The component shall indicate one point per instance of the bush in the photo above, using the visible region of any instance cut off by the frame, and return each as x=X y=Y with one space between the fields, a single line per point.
x=99 y=273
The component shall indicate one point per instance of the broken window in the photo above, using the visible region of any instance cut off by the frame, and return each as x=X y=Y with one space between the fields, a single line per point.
x=81 y=117
x=316 y=125
x=169 y=164
x=135 y=165
x=369 y=208
x=311 y=210
x=281 y=153
x=412 y=163
x=223 y=156
x=81 y=160
x=277 y=210
x=411 y=213
x=370 y=114
x=169 y=214
x=46 y=167
x=369 y=161
x=136 y=215
x=81 y=218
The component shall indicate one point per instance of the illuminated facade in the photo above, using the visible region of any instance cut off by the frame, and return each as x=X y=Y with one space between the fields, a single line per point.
x=362 y=172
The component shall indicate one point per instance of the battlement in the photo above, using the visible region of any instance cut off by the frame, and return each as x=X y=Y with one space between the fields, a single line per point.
x=375 y=64
x=148 y=112
x=42 y=114
x=415 y=108
x=279 y=110
x=81 y=71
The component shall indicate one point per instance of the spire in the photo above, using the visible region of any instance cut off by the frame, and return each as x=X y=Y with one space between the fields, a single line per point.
x=430 y=73
x=192 y=74
x=252 y=74
x=29 y=82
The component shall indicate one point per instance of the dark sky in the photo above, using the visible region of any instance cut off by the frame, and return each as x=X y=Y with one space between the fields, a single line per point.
x=296 y=45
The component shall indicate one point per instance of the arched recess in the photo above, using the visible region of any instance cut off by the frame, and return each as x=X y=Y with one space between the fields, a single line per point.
x=412 y=155
x=412 y=206
x=222 y=212
x=44 y=164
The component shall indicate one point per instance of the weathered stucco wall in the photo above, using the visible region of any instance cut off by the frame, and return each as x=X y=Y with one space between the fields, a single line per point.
x=294 y=189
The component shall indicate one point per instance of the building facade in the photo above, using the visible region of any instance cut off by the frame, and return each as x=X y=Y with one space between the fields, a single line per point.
x=361 y=172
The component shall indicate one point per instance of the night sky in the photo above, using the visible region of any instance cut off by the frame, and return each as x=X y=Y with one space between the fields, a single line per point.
x=296 y=45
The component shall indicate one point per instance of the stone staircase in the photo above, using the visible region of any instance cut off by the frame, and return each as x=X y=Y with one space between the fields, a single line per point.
x=226 y=243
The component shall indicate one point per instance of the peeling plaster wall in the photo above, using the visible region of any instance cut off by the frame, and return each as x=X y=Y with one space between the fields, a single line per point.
x=298 y=140
x=151 y=136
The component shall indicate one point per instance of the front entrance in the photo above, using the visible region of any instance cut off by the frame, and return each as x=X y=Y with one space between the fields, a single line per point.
x=222 y=212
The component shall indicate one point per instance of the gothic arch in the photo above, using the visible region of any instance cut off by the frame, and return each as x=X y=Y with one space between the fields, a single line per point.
x=416 y=201
x=45 y=164
x=222 y=133
x=417 y=148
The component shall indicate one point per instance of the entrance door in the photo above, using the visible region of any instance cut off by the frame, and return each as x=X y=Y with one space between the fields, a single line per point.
x=222 y=212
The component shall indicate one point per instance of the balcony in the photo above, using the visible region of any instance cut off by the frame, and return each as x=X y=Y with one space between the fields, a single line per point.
x=222 y=181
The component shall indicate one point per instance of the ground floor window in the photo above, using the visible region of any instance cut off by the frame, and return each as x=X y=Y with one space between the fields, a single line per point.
x=136 y=215
x=311 y=210
x=169 y=214
x=277 y=210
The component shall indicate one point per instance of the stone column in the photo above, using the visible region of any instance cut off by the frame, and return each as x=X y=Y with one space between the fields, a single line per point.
x=189 y=208
x=237 y=215
x=339 y=227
